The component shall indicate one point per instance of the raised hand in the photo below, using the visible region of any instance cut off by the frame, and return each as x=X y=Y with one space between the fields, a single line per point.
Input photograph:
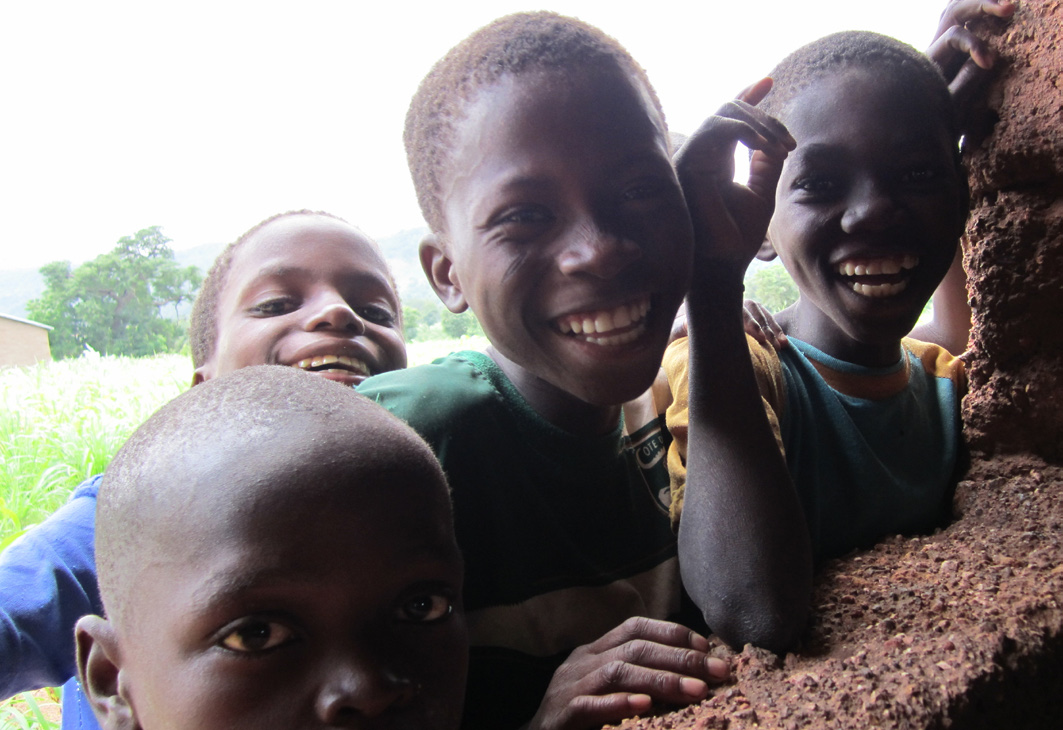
x=730 y=219
x=963 y=57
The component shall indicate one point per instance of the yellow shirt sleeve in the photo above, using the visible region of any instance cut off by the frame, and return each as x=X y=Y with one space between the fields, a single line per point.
x=768 y=371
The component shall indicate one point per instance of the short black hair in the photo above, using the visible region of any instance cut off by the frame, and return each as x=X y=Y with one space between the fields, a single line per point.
x=875 y=52
x=511 y=45
x=203 y=323
x=184 y=446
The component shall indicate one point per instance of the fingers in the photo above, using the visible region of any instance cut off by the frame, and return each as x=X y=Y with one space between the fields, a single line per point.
x=621 y=674
x=648 y=629
x=755 y=93
x=761 y=324
x=959 y=12
x=955 y=46
x=589 y=711
x=660 y=645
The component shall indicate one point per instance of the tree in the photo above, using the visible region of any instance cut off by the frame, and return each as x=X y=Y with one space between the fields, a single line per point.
x=772 y=287
x=457 y=325
x=411 y=323
x=115 y=303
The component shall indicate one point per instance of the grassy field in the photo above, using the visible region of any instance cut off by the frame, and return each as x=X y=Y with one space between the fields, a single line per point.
x=62 y=422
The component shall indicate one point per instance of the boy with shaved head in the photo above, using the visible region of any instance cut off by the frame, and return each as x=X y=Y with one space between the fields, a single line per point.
x=275 y=550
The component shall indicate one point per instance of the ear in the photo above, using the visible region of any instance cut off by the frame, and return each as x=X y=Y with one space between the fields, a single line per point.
x=199 y=375
x=439 y=268
x=100 y=673
x=766 y=252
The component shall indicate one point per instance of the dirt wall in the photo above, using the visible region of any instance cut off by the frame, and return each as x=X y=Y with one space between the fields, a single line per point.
x=1015 y=260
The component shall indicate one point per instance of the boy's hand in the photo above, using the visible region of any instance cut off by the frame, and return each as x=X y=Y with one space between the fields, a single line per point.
x=760 y=324
x=962 y=56
x=730 y=219
x=622 y=674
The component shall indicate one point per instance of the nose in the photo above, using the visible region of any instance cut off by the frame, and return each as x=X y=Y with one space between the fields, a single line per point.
x=589 y=249
x=360 y=688
x=870 y=206
x=330 y=311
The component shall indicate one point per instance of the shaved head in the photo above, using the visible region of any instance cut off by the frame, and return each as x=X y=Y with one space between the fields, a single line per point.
x=240 y=447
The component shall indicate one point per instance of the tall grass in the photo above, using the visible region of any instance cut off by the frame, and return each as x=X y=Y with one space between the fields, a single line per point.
x=61 y=422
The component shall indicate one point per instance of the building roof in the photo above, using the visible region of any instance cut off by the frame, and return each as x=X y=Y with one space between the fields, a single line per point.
x=26 y=321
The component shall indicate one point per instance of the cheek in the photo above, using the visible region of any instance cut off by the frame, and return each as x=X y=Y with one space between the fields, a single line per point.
x=392 y=347
x=443 y=670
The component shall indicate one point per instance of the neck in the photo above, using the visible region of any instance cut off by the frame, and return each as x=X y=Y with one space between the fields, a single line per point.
x=812 y=326
x=557 y=406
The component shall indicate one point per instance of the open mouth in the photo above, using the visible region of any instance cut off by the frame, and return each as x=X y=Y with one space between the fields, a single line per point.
x=878 y=277
x=616 y=326
x=334 y=363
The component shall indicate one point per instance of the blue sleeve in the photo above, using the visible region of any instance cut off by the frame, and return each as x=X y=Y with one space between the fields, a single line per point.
x=48 y=582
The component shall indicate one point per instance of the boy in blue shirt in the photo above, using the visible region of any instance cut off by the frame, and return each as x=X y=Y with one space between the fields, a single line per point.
x=869 y=209
x=303 y=289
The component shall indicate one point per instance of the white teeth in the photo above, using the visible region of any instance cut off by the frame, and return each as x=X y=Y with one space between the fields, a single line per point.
x=623 y=339
x=595 y=326
x=323 y=360
x=874 y=267
x=876 y=291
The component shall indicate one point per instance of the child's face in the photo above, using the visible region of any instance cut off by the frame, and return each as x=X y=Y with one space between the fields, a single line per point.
x=868 y=212
x=296 y=604
x=311 y=292
x=566 y=231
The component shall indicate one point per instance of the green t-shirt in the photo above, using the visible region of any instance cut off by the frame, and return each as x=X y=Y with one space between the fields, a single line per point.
x=564 y=536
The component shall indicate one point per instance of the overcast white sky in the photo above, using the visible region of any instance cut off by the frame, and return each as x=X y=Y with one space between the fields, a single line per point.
x=204 y=118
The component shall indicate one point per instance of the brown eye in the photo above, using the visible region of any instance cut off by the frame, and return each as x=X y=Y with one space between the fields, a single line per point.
x=427 y=608
x=273 y=307
x=257 y=635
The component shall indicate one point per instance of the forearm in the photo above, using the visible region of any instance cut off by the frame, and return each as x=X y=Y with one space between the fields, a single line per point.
x=950 y=325
x=743 y=543
x=47 y=582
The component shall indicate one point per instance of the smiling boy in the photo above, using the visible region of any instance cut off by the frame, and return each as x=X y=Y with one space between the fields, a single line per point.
x=543 y=168
x=869 y=210
x=275 y=551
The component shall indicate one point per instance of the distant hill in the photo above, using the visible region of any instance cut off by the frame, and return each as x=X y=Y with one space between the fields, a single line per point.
x=18 y=286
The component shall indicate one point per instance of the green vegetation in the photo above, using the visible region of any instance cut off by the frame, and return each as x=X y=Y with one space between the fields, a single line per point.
x=61 y=422
x=125 y=302
x=771 y=286
x=427 y=320
x=38 y=710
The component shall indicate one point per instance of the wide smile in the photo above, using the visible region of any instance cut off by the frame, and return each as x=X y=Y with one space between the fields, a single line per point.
x=877 y=278
x=607 y=327
x=334 y=364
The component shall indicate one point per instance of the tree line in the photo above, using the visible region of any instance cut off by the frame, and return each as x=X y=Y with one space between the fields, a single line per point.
x=134 y=301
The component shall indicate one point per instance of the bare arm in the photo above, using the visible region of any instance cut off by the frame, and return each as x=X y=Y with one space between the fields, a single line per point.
x=743 y=543
x=950 y=325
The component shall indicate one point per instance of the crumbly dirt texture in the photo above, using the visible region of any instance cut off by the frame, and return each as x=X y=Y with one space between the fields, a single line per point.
x=964 y=628
x=1015 y=256
x=961 y=629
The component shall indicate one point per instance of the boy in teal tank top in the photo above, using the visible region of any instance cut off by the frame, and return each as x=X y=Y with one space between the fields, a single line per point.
x=868 y=213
